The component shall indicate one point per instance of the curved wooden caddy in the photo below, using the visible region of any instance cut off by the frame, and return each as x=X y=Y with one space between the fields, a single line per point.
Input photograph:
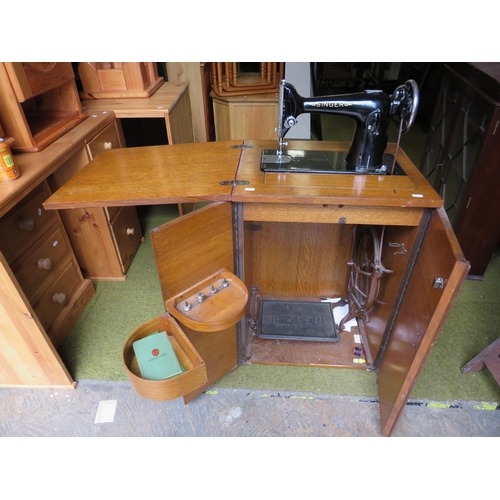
x=194 y=377
x=219 y=311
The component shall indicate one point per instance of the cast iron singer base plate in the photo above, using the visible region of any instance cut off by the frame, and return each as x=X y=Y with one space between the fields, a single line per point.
x=295 y=320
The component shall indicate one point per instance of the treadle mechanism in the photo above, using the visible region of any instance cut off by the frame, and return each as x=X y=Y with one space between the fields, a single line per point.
x=297 y=320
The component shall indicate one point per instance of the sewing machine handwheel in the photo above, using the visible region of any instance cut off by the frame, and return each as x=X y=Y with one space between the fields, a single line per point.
x=411 y=88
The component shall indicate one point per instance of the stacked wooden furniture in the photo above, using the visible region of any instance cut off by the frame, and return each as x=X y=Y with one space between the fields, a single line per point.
x=39 y=102
x=245 y=103
x=462 y=157
x=108 y=80
x=288 y=236
x=228 y=78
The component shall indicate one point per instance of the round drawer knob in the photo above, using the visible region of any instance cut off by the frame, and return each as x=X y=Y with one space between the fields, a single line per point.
x=26 y=223
x=108 y=145
x=130 y=230
x=59 y=298
x=44 y=263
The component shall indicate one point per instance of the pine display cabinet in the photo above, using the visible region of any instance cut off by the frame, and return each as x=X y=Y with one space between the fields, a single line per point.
x=39 y=103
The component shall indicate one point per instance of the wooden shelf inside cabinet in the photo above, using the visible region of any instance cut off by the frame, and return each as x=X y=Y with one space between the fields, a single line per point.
x=39 y=103
x=194 y=377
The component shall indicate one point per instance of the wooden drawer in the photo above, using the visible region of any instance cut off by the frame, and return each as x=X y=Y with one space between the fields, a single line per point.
x=107 y=139
x=25 y=223
x=42 y=262
x=30 y=79
x=56 y=294
x=127 y=233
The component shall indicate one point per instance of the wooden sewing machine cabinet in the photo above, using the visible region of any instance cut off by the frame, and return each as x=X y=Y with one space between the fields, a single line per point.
x=288 y=236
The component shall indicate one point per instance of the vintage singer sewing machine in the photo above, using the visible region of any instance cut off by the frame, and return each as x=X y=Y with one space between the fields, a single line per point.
x=288 y=227
x=372 y=112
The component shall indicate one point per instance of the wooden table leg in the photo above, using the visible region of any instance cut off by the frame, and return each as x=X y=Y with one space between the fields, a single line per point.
x=489 y=358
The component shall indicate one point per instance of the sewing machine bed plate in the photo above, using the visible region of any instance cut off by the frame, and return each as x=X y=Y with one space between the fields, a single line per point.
x=319 y=162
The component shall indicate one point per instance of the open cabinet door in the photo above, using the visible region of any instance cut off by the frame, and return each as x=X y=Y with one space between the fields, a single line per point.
x=422 y=314
x=27 y=356
x=187 y=251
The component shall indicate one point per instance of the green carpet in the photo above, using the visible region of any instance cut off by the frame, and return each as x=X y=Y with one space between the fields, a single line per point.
x=92 y=349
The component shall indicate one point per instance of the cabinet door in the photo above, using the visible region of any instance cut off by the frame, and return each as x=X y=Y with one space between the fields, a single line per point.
x=188 y=250
x=421 y=317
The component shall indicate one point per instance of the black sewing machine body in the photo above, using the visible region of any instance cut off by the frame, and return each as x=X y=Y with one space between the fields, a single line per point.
x=372 y=111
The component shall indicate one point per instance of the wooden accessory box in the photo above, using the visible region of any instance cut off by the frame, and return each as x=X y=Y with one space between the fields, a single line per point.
x=118 y=79
x=39 y=103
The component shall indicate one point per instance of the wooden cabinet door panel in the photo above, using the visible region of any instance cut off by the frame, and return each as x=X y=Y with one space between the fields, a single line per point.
x=187 y=250
x=420 y=318
x=126 y=230
x=191 y=248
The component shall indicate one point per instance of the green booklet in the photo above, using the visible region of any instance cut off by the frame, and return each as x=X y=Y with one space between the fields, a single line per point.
x=156 y=357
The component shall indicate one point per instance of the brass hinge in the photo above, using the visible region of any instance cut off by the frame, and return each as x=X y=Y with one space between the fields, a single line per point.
x=234 y=182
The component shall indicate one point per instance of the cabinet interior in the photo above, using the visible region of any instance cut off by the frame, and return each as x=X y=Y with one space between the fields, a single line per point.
x=296 y=261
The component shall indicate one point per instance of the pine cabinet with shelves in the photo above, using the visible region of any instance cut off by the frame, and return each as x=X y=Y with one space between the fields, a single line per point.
x=42 y=288
x=39 y=103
